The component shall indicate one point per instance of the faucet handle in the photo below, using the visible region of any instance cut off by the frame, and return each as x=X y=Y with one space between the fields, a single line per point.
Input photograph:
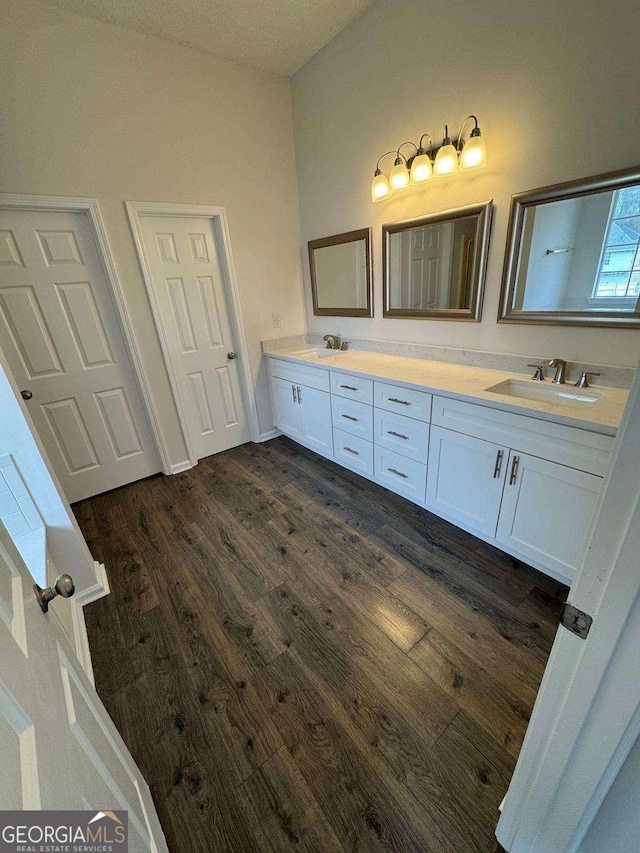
x=344 y=346
x=583 y=382
x=539 y=372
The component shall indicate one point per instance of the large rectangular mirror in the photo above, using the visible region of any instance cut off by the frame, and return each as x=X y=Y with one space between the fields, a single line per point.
x=434 y=267
x=340 y=268
x=573 y=254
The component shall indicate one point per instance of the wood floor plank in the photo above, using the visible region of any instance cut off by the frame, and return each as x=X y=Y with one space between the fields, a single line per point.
x=345 y=577
x=377 y=706
x=495 y=707
x=284 y=806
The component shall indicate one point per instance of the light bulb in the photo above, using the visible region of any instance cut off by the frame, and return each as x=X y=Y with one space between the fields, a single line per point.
x=380 y=188
x=421 y=169
x=399 y=177
x=447 y=157
x=474 y=153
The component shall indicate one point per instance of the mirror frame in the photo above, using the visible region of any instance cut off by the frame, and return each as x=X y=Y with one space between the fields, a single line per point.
x=473 y=314
x=557 y=192
x=336 y=240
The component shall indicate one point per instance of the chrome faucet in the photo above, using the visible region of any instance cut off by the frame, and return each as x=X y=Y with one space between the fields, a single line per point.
x=333 y=341
x=560 y=367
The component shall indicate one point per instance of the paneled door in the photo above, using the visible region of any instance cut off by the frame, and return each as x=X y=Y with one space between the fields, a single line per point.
x=192 y=312
x=61 y=336
x=59 y=749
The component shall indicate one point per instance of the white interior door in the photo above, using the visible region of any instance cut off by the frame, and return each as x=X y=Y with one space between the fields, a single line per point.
x=193 y=313
x=61 y=337
x=59 y=748
x=430 y=266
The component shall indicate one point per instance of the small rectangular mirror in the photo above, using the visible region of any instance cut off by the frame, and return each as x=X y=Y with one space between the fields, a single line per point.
x=573 y=254
x=434 y=267
x=340 y=268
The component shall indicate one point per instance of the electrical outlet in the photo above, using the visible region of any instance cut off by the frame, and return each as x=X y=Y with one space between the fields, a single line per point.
x=277 y=322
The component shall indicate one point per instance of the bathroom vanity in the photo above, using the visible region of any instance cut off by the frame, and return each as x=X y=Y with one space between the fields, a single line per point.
x=518 y=463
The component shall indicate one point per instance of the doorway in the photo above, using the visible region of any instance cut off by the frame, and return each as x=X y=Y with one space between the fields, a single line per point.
x=65 y=346
x=185 y=258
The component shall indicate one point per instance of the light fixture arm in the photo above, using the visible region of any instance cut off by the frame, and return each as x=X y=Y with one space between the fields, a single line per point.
x=474 y=132
x=382 y=158
x=422 y=149
x=399 y=154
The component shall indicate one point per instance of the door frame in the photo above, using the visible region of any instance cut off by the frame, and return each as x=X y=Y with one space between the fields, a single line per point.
x=587 y=713
x=90 y=207
x=218 y=217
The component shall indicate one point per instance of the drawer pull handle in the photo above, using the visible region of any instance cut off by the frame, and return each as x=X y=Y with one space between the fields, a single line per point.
x=402 y=402
x=514 y=470
x=398 y=473
x=349 y=417
x=293 y=388
x=349 y=387
x=351 y=450
x=397 y=434
x=496 y=470
x=299 y=394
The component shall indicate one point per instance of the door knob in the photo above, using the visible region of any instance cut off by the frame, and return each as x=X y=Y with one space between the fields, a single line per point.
x=64 y=586
x=26 y=394
x=231 y=355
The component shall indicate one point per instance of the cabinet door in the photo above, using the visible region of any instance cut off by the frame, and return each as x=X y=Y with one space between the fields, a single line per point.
x=465 y=478
x=546 y=511
x=287 y=413
x=317 y=430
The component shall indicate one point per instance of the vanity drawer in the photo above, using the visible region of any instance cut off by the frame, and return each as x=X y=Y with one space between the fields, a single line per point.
x=402 y=435
x=352 y=417
x=354 y=452
x=404 y=401
x=400 y=474
x=352 y=387
x=300 y=374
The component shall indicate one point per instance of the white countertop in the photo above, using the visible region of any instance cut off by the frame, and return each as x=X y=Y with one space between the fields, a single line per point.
x=467 y=383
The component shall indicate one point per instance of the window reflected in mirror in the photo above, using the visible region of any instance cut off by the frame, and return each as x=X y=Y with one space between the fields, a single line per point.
x=340 y=268
x=574 y=254
x=434 y=267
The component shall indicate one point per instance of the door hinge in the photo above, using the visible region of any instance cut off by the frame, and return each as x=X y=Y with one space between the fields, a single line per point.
x=576 y=621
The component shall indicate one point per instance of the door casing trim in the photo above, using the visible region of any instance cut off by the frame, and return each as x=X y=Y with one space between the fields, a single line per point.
x=90 y=207
x=218 y=216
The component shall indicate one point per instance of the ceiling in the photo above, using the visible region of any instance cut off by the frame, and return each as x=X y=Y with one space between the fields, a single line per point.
x=276 y=35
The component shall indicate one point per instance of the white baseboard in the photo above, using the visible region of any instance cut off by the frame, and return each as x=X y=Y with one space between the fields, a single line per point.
x=92 y=593
x=269 y=434
x=179 y=467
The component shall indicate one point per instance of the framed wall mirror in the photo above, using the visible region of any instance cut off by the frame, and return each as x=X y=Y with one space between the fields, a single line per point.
x=340 y=268
x=573 y=254
x=434 y=267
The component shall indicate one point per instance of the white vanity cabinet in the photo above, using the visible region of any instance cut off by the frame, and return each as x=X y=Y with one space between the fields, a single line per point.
x=520 y=481
x=465 y=478
x=302 y=404
x=546 y=511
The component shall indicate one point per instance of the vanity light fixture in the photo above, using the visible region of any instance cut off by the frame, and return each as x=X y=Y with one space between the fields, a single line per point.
x=451 y=157
x=446 y=162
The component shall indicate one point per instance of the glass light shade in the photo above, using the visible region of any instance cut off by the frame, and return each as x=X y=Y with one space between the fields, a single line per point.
x=446 y=160
x=474 y=154
x=399 y=177
x=380 y=188
x=421 y=169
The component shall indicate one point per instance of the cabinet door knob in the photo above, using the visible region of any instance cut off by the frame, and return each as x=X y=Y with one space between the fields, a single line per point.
x=64 y=586
x=231 y=355
x=26 y=394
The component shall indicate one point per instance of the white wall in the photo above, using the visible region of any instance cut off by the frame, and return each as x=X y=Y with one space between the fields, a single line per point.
x=616 y=826
x=554 y=87
x=91 y=109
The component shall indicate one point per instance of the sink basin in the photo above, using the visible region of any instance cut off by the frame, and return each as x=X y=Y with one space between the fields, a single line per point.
x=320 y=352
x=563 y=395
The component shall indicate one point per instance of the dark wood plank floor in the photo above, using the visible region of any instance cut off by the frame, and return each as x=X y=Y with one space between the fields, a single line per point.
x=301 y=660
